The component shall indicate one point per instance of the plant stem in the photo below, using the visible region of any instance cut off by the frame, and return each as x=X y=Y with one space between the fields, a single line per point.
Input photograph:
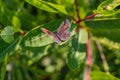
x=105 y=64
x=89 y=17
x=88 y=61
x=77 y=10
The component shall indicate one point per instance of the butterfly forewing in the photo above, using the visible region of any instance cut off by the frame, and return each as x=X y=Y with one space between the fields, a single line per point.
x=63 y=31
x=63 y=27
x=51 y=34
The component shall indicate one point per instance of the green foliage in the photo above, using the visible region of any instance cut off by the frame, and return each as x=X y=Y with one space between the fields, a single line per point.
x=7 y=34
x=26 y=53
x=47 y=6
x=3 y=68
x=77 y=49
x=97 y=75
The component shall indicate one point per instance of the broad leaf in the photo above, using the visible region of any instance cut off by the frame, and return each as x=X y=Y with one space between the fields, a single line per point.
x=105 y=27
x=47 y=6
x=77 y=51
x=7 y=34
x=39 y=53
x=36 y=38
x=108 y=23
x=112 y=34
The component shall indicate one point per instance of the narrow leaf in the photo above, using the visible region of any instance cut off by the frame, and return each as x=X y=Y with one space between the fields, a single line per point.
x=8 y=49
x=3 y=68
x=98 y=75
x=107 y=7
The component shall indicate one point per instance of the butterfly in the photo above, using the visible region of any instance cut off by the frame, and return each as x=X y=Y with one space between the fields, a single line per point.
x=62 y=34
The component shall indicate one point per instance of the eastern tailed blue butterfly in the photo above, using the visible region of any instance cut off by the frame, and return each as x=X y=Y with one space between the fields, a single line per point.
x=62 y=34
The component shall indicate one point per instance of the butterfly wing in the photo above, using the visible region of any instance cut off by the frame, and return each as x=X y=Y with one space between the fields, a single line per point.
x=63 y=27
x=63 y=31
x=66 y=35
x=51 y=34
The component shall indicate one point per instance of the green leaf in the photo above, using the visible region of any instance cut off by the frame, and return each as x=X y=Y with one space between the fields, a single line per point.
x=77 y=51
x=27 y=21
x=19 y=75
x=36 y=38
x=7 y=34
x=112 y=34
x=5 y=13
x=25 y=73
x=98 y=75
x=3 y=68
x=107 y=7
x=39 y=53
x=47 y=6
x=16 y=23
x=83 y=7
x=8 y=18
x=108 y=23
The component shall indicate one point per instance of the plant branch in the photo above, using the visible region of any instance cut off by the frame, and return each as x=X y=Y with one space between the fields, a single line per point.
x=88 y=61
x=77 y=10
x=89 y=17
x=105 y=64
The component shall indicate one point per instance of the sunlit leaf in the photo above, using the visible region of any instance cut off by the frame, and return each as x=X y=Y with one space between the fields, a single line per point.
x=7 y=34
x=36 y=38
x=77 y=51
x=107 y=7
x=98 y=75
x=39 y=53
x=47 y=6
x=16 y=23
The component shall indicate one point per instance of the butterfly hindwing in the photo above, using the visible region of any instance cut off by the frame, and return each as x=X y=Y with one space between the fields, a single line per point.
x=66 y=35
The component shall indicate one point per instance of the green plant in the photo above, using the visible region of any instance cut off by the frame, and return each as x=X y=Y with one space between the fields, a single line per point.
x=26 y=53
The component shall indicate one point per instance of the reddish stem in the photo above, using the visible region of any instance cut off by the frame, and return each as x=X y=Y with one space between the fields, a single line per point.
x=88 y=61
x=89 y=17
x=77 y=10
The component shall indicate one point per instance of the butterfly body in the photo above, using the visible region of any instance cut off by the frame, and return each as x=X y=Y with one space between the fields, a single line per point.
x=62 y=34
